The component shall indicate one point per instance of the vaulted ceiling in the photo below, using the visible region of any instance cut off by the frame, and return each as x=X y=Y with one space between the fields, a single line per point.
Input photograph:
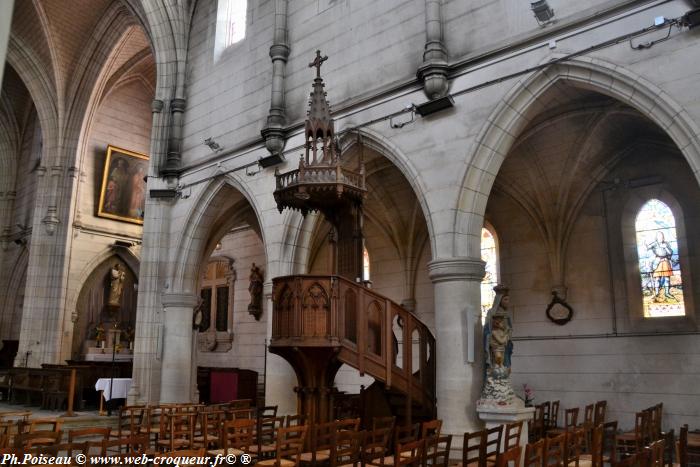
x=559 y=158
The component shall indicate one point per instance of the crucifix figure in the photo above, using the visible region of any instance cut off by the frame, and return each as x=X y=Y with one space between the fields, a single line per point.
x=318 y=61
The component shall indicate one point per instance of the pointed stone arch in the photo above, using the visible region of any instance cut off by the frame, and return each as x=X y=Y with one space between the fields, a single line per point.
x=515 y=110
x=205 y=222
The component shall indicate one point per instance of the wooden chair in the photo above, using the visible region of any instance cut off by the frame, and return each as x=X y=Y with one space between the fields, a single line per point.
x=554 y=449
x=134 y=445
x=179 y=432
x=64 y=450
x=587 y=425
x=41 y=424
x=208 y=433
x=594 y=457
x=633 y=460
x=474 y=449
x=266 y=436
x=688 y=456
x=633 y=441
x=351 y=424
x=294 y=420
x=599 y=412
x=375 y=445
x=132 y=419
x=536 y=425
x=493 y=444
x=512 y=436
x=510 y=456
x=383 y=422
x=655 y=452
x=534 y=453
x=93 y=438
x=437 y=449
x=250 y=413
x=288 y=447
x=412 y=453
x=430 y=428
x=554 y=415
x=546 y=414
x=38 y=438
x=404 y=435
x=346 y=448
x=610 y=442
x=570 y=421
x=573 y=445
x=322 y=435
x=236 y=437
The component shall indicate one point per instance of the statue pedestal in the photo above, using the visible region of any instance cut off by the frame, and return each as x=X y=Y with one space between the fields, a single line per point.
x=496 y=415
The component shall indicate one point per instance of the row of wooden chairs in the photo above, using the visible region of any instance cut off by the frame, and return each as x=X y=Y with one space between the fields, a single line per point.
x=545 y=421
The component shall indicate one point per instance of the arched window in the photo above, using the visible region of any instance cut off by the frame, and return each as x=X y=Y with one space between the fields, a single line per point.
x=230 y=24
x=365 y=264
x=659 y=266
x=490 y=256
x=217 y=296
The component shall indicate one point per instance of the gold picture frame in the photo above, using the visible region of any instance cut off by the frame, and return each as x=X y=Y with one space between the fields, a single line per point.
x=123 y=192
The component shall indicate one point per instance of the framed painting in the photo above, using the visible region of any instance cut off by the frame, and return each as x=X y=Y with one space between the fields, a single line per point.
x=123 y=193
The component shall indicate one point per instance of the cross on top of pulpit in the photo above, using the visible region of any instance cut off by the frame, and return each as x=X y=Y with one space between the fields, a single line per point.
x=318 y=61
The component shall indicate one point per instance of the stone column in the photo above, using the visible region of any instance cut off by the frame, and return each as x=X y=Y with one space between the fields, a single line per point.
x=176 y=376
x=456 y=289
x=433 y=70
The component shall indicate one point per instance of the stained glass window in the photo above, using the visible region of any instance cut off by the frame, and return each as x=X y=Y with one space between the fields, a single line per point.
x=657 y=250
x=488 y=255
x=230 y=24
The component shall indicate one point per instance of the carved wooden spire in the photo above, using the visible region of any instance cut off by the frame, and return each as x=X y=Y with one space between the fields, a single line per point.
x=320 y=134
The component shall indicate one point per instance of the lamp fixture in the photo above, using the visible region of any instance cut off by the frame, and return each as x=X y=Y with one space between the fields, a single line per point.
x=542 y=11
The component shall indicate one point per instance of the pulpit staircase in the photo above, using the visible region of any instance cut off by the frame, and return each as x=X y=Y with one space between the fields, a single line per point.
x=320 y=322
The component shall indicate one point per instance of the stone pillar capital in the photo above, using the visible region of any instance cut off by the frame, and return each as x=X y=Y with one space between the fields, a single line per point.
x=184 y=300
x=456 y=269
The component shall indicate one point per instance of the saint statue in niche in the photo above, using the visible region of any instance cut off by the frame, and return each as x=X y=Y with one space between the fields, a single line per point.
x=255 y=288
x=116 y=287
x=498 y=349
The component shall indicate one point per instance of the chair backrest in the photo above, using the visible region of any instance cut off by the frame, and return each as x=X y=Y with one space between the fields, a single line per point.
x=570 y=418
x=322 y=437
x=610 y=440
x=383 y=422
x=37 y=438
x=588 y=415
x=554 y=415
x=346 y=448
x=599 y=415
x=546 y=414
x=405 y=434
x=534 y=454
x=554 y=451
x=538 y=424
x=352 y=424
x=430 y=428
x=474 y=448
x=65 y=449
x=267 y=411
x=196 y=455
x=250 y=413
x=509 y=458
x=375 y=444
x=656 y=453
x=682 y=447
x=290 y=442
x=412 y=453
x=267 y=428
x=597 y=446
x=295 y=420
x=437 y=450
x=238 y=434
x=493 y=440
x=629 y=461
x=42 y=424
x=89 y=434
x=573 y=444
x=240 y=403
x=513 y=431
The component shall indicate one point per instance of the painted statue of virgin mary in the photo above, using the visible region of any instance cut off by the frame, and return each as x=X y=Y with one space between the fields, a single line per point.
x=498 y=349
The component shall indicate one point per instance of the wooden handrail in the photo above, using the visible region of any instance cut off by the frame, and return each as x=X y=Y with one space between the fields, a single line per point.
x=327 y=310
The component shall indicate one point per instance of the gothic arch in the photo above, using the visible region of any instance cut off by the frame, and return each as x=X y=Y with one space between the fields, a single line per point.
x=510 y=117
x=14 y=288
x=203 y=222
